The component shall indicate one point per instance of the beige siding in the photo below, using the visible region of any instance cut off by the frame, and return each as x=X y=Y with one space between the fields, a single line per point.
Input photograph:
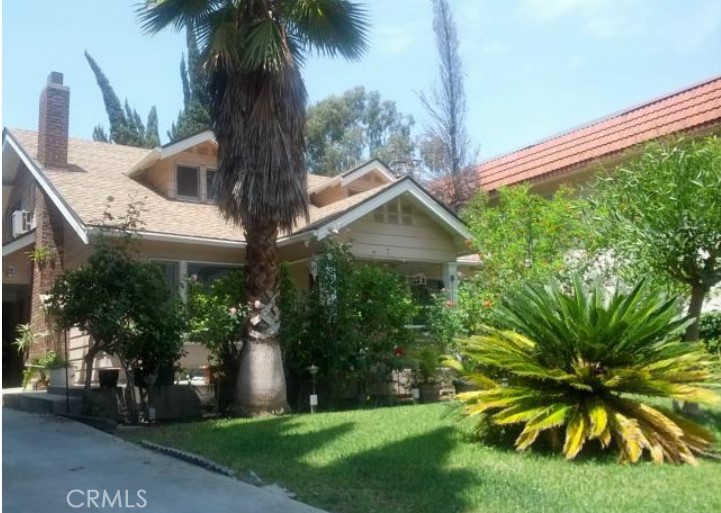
x=423 y=241
x=75 y=251
x=24 y=193
x=157 y=250
x=21 y=266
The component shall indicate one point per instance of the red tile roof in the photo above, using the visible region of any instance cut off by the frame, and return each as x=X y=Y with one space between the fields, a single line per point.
x=695 y=108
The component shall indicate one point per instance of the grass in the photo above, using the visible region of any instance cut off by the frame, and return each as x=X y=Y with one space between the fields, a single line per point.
x=418 y=459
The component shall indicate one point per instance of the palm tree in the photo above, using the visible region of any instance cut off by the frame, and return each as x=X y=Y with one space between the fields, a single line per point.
x=253 y=51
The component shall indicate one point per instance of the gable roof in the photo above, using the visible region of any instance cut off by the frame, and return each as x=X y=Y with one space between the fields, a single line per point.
x=352 y=175
x=692 y=109
x=97 y=170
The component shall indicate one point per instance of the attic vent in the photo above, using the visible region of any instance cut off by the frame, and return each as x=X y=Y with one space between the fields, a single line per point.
x=394 y=212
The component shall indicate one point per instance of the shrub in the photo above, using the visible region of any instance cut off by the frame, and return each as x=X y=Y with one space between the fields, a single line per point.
x=216 y=319
x=710 y=331
x=351 y=323
x=582 y=360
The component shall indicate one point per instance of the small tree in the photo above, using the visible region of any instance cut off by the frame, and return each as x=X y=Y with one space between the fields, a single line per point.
x=523 y=237
x=660 y=214
x=124 y=304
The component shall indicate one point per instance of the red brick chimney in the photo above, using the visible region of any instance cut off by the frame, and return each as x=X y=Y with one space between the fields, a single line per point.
x=53 y=123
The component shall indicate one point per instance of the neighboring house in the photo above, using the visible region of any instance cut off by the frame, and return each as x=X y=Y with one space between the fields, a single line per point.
x=55 y=191
x=575 y=156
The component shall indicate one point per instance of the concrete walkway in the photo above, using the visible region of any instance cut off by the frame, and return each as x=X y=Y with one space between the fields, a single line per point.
x=44 y=458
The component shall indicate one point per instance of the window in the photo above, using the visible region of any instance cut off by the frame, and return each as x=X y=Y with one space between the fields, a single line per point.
x=171 y=271
x=188 y=181
x=208 y=273
x=210 y=192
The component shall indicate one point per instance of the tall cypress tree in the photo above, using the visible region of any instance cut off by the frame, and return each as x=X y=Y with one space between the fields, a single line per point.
x=194 y=117
x=126 y=126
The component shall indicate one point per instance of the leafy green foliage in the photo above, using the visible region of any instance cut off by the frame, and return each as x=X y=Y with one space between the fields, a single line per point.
x=579 y=360
x=52 y=360
x=345 y=130
x=660 y=214
x=25 y=339
x=710 y=331
x=216 y=314
x=444 y=321
x=194 y=117
x=125 y=124
x=520 y=236
x=124 y=304
x=351 y=323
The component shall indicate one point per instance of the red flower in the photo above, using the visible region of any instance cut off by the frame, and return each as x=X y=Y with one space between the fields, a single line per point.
x=399 y=351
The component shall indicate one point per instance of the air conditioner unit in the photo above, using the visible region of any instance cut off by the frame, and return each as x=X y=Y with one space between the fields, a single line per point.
x=21 y=222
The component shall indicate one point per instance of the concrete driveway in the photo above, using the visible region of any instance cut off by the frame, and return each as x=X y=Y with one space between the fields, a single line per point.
x=54 y=464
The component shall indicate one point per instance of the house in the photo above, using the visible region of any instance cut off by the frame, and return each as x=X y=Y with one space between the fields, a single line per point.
x=575 y=156
x=55 y=192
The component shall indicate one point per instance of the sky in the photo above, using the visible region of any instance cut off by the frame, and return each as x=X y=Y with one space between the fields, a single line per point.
x=533 y=68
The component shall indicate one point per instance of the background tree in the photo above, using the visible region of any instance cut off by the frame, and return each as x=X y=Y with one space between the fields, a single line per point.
x=194 y=117
x=126 y=126
x=445 y=148
x=522 y=237
x=660 y=215
x=253 y=51
x=345 y=130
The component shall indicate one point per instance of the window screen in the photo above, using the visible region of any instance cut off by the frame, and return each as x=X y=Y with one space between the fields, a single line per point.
x=187 y=181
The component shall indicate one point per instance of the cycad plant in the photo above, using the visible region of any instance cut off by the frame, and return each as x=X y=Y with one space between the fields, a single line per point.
x=581 y=360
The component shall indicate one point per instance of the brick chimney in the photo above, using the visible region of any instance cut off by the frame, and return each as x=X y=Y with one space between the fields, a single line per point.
x=53 y=123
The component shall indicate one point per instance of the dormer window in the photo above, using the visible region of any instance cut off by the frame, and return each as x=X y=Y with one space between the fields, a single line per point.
x=187 y=180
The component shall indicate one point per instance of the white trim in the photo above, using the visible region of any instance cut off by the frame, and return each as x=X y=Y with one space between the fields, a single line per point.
x=353 y=175
x=368 y=167
x=161 y=153
x=48 y=189
x=19 y=243
x=183 y=197
x=298 y=237
x=401 y=187
x=186 y=144
x=149 y=158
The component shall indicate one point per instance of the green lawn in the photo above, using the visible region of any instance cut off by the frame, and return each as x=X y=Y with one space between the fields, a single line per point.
x=416 y=459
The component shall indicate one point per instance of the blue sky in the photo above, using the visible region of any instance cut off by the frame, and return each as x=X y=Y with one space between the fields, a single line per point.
x=534 y=67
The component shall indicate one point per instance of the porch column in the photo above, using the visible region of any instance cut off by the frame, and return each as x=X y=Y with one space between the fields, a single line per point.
x=450 y=280
x=183 y=279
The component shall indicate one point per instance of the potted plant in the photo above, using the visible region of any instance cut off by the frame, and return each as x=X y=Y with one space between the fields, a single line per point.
x=428 y=360
x=58 y=369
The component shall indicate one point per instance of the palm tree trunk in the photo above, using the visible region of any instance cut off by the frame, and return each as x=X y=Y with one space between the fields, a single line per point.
x=261 y=381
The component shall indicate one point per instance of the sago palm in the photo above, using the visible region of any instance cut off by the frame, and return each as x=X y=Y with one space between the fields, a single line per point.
x=580 y=361
x=253 y=51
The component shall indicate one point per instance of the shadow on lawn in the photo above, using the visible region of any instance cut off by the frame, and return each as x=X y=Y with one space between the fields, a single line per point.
x=401 y=476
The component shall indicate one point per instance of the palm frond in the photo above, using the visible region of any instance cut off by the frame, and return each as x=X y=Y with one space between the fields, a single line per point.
x=573 y=358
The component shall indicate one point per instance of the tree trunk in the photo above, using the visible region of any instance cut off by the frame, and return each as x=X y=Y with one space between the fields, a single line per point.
x=89 y=363
x=694 y=310
x=261 y=385
x=692 y=333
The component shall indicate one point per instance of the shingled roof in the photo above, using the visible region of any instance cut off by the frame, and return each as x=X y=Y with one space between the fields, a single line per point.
x=97 y=170
x=693 y=109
